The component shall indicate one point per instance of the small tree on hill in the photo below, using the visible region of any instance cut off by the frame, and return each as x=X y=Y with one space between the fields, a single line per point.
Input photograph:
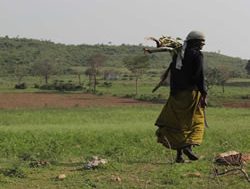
x=21 y=70
x=211 y=77
x=218 y=76
x=94 y=63
x=137 y=65
x=46 y=67
x=78 y=73
x=17 y=66
x=224 y=76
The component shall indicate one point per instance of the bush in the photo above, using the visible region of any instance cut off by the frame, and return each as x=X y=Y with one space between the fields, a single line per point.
x=129 y=96
x=152 y=98
x=245 y=97
x=60 y=86
x=21 y=86
x=14 y=171
x=107 y=84
x=47 y=87
x=36 y=86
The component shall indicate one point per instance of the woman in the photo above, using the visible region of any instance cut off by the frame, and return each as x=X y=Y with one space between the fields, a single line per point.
x=181 y=122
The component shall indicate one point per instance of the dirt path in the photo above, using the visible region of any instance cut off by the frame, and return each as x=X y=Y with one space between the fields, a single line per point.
x=237 y=104
x=40 y=100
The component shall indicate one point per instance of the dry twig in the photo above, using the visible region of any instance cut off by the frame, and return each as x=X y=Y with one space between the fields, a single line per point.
x=241 y=169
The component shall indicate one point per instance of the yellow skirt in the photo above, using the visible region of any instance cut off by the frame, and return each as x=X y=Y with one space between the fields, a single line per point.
x=181 y=121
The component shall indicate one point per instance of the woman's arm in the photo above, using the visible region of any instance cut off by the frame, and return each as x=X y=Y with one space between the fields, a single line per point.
x=161 y=49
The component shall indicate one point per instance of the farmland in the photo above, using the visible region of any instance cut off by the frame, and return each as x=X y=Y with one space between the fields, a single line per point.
x=120 y=131
x=49 y=131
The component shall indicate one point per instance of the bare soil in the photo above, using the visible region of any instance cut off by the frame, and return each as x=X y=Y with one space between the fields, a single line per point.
x=52 y=100
x=40 y=100
x=245 y=104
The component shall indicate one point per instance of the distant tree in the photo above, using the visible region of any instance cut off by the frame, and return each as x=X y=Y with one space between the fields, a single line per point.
x=46 y=67
x=110 y=74
x=218 y=76
x=21 y=70
x=17 y=66
x=248 y=67
x=212 y=77
x=78 y=73
x=224 y=76
x=89 y=73
x=94 y=63
x=137 y=65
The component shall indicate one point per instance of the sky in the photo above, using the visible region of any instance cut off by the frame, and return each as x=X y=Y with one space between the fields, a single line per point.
x=225 y=23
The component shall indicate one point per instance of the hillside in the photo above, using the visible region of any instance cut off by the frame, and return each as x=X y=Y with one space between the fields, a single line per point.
x=28 y=51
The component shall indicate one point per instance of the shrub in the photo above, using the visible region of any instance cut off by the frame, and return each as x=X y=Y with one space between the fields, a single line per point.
x=47 y=87
x=61 y=86
x=245 y=97
x=107 y=84
x=36 y=86
x=152 y=98
x=21 y=86
x=14 y=171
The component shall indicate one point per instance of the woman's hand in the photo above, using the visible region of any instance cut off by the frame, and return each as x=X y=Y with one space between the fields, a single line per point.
x=203 y=101
x=146 y=51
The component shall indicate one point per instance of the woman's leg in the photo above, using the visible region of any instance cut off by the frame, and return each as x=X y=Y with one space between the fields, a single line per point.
x=179 y=158
x=189 y=153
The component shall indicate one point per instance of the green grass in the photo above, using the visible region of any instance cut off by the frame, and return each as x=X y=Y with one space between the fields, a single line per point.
x=123 y=135
x=236 y=89
x=67 y=138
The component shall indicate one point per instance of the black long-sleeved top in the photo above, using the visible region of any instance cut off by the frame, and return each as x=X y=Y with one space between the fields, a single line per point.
x=191 y=75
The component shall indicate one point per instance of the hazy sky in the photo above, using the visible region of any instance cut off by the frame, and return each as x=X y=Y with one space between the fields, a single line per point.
x=226 y=23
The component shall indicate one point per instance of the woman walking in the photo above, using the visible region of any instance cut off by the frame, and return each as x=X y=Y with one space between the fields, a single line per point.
x=181 y=121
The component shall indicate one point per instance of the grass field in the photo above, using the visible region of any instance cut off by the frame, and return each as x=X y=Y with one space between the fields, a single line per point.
x=237 y=90
x=67 y=138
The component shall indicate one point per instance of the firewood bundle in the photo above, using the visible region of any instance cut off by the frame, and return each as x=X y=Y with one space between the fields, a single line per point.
x=232 y=158
x=168 y=42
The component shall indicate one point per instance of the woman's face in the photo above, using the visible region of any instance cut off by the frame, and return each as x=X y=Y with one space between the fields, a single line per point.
x=201 y=44
x=196 y=43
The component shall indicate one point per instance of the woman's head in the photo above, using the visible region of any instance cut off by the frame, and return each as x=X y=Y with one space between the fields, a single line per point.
x=195 y=39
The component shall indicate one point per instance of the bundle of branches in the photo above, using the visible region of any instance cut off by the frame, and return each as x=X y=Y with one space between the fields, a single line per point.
x=166 y=43
x=163 y=44
x=229 y=158
x=232 y=158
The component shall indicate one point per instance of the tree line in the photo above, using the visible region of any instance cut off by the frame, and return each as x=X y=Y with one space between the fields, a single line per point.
x=20 y=57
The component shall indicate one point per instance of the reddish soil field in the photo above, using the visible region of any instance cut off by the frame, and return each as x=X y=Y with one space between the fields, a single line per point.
x=237 y=104
x=40 y=100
